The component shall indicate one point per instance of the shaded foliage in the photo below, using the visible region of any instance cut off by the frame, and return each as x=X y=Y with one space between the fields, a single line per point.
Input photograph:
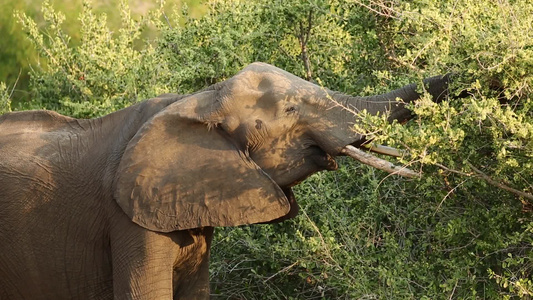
x=18 y=56
x=5 y=99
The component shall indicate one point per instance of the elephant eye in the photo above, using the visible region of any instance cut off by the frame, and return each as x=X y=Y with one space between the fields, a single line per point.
x=290 y=109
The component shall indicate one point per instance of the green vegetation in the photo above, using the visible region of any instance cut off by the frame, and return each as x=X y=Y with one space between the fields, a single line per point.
x=465 y=230
x=17 y=54
x=5 y=99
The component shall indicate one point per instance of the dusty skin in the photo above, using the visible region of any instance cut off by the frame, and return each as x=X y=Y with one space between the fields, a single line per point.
x=123 y=207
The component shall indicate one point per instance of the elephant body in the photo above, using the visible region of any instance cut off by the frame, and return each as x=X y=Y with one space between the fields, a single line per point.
x=124 y=206
x=61 y=229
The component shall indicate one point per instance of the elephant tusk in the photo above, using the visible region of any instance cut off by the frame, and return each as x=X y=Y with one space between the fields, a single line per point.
x=385 y=150
x=378 y=163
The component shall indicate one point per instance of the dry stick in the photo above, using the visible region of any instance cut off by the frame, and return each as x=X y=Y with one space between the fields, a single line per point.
x=378 y=163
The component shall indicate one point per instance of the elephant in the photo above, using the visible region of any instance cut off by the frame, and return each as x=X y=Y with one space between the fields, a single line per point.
x=124 y=206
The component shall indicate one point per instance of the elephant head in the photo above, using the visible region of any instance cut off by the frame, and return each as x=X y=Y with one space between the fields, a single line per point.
x=229 y=155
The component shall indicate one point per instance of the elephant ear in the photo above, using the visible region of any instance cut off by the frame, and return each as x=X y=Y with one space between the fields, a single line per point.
x=176 y=174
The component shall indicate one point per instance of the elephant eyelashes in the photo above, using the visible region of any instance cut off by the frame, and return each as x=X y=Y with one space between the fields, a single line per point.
x=290 y=109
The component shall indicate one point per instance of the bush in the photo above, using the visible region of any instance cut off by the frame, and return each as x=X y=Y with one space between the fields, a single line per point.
x=105 y=72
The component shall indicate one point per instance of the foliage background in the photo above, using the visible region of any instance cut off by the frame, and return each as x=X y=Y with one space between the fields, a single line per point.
x=457 y=233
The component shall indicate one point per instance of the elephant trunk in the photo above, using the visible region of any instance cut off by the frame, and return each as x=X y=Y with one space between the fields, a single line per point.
x=392 y=102
x=337 y=132
x=436 y=86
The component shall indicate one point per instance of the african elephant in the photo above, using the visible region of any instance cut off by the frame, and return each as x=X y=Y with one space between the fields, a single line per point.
x=124 y=206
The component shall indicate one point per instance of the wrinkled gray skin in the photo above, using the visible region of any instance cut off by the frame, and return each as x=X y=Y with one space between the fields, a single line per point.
x=124 y=206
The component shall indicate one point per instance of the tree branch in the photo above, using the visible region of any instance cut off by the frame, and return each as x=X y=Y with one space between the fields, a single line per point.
x=453 y=171
x=498 y=184
x=478 y=173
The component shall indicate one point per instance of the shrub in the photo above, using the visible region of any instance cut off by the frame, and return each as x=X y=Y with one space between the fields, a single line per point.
x=105 y=72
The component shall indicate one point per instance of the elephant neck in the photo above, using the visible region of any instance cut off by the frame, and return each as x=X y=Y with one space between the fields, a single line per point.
x=109 y=136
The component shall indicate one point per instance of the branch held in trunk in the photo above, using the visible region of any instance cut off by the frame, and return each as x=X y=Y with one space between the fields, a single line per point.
x=384 y=150
x=378 y=163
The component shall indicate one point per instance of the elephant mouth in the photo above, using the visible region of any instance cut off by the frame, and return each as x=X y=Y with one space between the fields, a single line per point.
x=292 y=200
x=358 y=154
x=322 y=159
x=293 y=207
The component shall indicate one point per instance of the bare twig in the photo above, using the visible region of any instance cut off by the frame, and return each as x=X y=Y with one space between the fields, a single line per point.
x=426 y=46
x=453 y=291
x=166 y=19
x=453 y=171
x=15 y=85
x=282 y=270
x=378 y=163
x=402 y=63
x=447 y=195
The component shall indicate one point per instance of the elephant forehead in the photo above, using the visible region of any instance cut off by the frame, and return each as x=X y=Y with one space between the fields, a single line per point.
x=254 y=82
